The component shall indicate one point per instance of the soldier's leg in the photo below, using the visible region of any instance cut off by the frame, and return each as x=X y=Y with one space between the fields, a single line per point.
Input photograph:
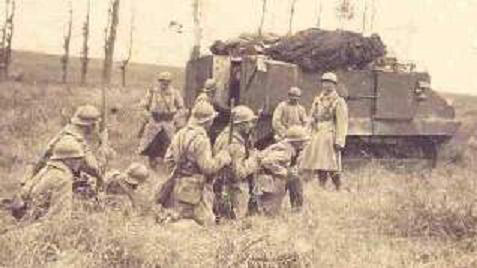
x=336 y=178
x=295 y=191
x=322 y=177
x=271 y=203
x=203 y=214
x=240 y=200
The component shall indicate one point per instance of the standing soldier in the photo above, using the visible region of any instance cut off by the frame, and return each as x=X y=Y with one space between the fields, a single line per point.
x=120 y=187
x=287 y=114
x=276 y=169
x=329 y=127
x=189 y=157
x=208 y=92
x=81 y=129
x=163 y=105
x=232 y=188
x=48 y=195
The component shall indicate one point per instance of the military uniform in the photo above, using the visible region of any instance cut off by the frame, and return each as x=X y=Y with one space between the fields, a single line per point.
x=329 y=127
x=189 y=158
x=273 y=175
x=285 y=116
x=162 y=108
x=234 y=184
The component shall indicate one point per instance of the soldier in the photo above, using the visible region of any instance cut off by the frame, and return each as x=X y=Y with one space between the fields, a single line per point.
x=208 y=92
x=329 y=127
x=48 y=195
x=120 y=187
x=189 y=157
x=232 y=188
x=276 y=169
x=287 y=114
x=163 y=105
x=81 y=128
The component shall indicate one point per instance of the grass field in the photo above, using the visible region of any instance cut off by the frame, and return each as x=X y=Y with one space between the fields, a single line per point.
x=383 y=218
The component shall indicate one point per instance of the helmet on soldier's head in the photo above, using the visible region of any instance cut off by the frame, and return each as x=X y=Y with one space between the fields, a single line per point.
x=203 y=112
x=210 y=85
x=243 y=113
x=136 y=173
x=86 y=115
x=67 y=148
x=329 y=76
x=165 y=76
x=297 y=133
x=294 y=92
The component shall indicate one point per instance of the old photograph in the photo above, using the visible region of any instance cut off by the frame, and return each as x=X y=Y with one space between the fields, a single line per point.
x=251 y=133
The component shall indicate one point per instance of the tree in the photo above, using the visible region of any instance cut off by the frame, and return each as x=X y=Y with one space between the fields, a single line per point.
x=344 y=11
x=125 y=62
x=7 y=37
x=262 y=19
x=66 y=45
x=110 y=39
x=85 y=48
x=195 y=54
x=292 y=13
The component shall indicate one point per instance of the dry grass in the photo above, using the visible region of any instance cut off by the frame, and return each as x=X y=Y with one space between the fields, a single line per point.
x=383 y=218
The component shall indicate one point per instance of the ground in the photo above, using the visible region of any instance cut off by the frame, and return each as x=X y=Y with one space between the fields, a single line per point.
x=383 y=218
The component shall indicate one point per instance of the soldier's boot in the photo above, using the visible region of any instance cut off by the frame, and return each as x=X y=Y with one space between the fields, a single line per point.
x=336 y=178
x=322 y=178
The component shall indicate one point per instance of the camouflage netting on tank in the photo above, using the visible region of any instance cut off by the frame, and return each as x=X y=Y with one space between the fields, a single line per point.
x=312 y=49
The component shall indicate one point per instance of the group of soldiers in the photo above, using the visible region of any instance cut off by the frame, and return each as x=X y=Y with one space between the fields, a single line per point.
x=208 y=183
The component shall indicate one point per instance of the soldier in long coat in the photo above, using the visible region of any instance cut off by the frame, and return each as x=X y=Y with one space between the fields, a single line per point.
x=190 y=160
x=49 y=194
x=277 y=168
x=329 y=127
x=120 y=187
x=231 y=187
x=163 y=107
x=287 y=114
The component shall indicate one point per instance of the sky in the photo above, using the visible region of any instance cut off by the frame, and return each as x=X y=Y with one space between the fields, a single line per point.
x=440 y=36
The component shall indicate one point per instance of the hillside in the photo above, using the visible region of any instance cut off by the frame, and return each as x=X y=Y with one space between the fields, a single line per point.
x=383 y=217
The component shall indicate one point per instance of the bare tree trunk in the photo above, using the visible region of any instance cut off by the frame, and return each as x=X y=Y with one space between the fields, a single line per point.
x=110 y=40
x=320 y=9
x=85 y=49
x=292 y=13
x=365 y=16
x=7 y=37
x=262 y=19
x=125 y=62
x=66 y=45
x=373 y=15
x=195 y=54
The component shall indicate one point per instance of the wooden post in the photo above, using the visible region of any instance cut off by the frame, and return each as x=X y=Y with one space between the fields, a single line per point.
x=85 y=48
x=110 y=40
x=66 y=45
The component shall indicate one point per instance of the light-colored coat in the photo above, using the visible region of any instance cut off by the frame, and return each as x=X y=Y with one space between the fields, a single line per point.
x=329 y=126
x=164 y=102
x=287 y=115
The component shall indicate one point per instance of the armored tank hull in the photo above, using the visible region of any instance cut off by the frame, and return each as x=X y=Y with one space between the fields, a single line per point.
x=391 y=115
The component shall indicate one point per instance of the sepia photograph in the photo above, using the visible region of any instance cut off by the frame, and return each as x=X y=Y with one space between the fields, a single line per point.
x=249 y=134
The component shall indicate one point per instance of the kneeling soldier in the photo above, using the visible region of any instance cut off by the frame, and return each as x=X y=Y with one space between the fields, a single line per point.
x=120 y=187
x=189 y=157
x=276 y=170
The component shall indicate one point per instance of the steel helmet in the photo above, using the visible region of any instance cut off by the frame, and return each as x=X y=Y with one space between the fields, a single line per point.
x=136 y=173
x=203 y=112
x=297 y=133
x=329 y=76
x=67 y=148
x=86 y=115
x=243 y=113
x=164 y=76
x=294 y=92
x=210 y=85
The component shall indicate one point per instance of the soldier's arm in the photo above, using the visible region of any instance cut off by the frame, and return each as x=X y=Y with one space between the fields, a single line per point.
x=311 y=119
x=243 y=166
x=179 y=101
x=169 y=157
x=208 y=164
x=277 y=125
x=341 y=123
x=145 y=102
x=303 y=116
x=276 y=161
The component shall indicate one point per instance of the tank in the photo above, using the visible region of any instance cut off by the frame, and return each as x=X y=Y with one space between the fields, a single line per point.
x=392 y=113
